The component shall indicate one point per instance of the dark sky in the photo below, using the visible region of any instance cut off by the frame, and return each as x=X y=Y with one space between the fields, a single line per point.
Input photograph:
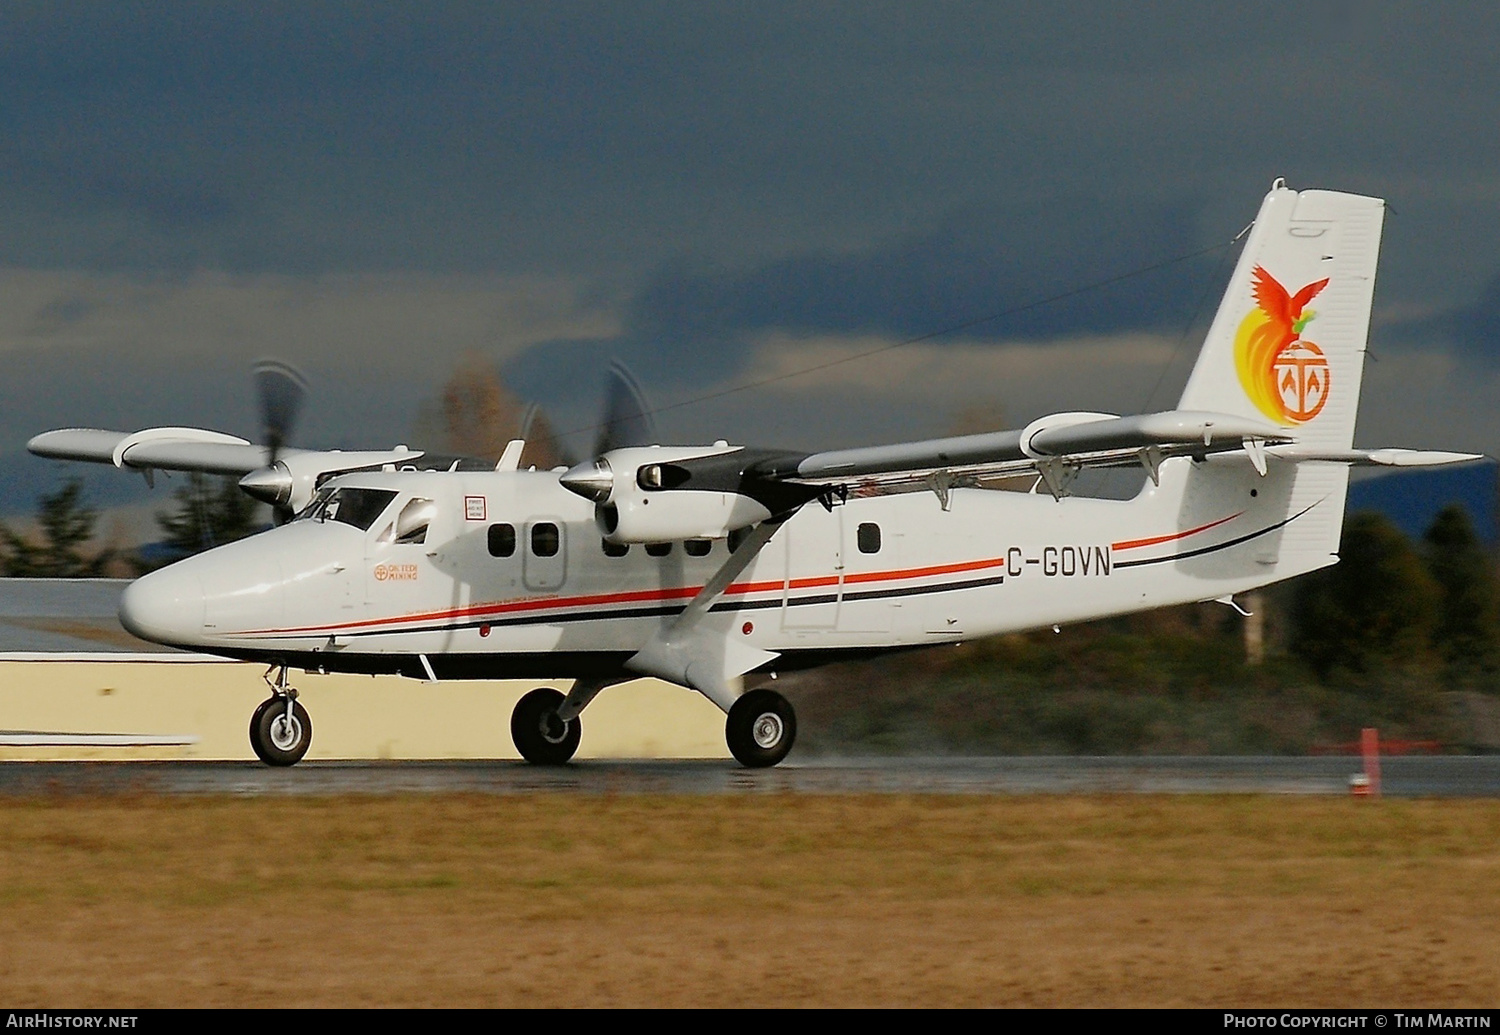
x=716 y=193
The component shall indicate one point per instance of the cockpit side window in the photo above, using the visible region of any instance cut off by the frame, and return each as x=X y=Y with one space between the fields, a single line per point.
x=315 y=507
x=349 y=506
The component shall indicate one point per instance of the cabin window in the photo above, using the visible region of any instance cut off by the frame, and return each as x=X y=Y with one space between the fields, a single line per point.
x=698 y=547
x=658 y=549
x=502 y=540
x=615 y=549
x=544 y=539
x=868 y=537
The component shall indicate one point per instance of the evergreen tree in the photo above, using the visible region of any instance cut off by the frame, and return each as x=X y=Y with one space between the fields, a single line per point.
x=66 y=525
x=1374 y=610
x=1469 y=611
x=209 y=516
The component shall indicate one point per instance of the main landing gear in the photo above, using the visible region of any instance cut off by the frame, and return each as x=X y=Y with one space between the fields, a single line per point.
x=280 y=730
x=540 y=733
x=761 y=728
x=545 y=726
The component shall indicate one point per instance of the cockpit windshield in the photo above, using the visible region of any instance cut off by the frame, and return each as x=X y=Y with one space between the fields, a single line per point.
x=348 y=505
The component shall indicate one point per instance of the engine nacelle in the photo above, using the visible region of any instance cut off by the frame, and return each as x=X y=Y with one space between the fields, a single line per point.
x=673 y=515
x=293 y=480
x=664 y=494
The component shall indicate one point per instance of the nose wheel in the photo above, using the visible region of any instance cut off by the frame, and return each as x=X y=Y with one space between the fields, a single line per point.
x=539 y=733
x=761 y=728
x=280 y=730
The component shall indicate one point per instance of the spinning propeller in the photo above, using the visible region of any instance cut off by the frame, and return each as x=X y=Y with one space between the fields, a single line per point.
x=627 y=419
x=280 y=389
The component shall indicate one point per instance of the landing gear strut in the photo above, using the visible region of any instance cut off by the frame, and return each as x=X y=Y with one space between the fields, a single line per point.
x=280 y=730
x=542 y=735
x=761 y=728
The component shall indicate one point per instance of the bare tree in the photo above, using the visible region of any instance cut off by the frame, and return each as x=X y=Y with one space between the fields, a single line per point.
x=476 y=414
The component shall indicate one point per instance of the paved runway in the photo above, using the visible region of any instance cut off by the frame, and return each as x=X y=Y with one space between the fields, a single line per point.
x=1445 y=776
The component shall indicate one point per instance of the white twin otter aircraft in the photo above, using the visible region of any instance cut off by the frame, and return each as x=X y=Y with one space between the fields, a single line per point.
x=713 y=567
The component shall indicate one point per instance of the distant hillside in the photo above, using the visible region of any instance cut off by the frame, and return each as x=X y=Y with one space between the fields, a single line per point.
x=1411 y=499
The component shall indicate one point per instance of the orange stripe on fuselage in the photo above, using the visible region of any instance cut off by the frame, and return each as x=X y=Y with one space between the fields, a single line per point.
x=1131 y=544
x=643 y=596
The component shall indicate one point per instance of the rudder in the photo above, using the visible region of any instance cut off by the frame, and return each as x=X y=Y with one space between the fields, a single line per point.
x=1288 y=342
x=1287 y=346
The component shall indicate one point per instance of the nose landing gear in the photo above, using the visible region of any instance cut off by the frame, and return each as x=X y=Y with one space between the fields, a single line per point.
x=280 y=729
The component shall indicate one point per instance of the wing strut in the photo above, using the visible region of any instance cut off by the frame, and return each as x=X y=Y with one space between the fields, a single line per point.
x=691 y=654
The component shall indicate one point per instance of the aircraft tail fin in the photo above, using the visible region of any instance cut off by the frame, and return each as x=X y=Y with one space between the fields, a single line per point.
x=1288 y=342
x=1288 y=346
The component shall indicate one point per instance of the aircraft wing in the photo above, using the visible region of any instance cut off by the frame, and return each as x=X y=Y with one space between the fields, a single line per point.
x=1061 y=445
x=1082 y=439
x=286 y=483
x=1053 y=449
x=171 y=449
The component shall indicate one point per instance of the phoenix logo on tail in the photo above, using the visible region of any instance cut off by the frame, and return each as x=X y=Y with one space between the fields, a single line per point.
x=1284 y=376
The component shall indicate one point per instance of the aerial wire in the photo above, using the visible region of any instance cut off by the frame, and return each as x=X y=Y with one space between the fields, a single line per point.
x=1182 y=340
x=930 y=335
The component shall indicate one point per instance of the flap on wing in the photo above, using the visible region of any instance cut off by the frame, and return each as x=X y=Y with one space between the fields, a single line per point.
x=959 y=451
x=1052 y=437
x=1084 y=439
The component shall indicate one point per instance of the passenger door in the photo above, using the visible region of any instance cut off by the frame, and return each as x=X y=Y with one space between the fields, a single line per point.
x=814 y=576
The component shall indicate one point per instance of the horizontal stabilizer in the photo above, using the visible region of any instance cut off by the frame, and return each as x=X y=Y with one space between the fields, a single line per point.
x=1387 y=457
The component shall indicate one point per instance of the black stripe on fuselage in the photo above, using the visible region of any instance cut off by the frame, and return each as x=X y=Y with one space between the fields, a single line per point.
x=1217 y=546
x=662 y=610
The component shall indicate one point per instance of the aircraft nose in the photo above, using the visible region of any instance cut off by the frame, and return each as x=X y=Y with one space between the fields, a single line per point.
x=164 y=607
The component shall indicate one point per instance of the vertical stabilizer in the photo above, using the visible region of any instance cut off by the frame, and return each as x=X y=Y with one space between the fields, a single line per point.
x=1288 y=342
x=1288 y=346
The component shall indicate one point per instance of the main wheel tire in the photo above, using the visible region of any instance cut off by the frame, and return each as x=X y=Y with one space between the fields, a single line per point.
x=540 y=736
x=277 y=742
x=761 y=728
x=255 y=740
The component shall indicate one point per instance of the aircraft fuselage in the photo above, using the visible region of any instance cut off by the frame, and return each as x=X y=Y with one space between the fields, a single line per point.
x=513 y=579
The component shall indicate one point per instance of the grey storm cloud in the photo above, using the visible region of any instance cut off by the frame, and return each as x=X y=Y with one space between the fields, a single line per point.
x=598 y=137
x=1473 y=329
x=692 y=178
x=985 y=270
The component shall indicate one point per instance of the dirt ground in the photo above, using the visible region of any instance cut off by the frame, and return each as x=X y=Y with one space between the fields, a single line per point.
x=752 y=900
